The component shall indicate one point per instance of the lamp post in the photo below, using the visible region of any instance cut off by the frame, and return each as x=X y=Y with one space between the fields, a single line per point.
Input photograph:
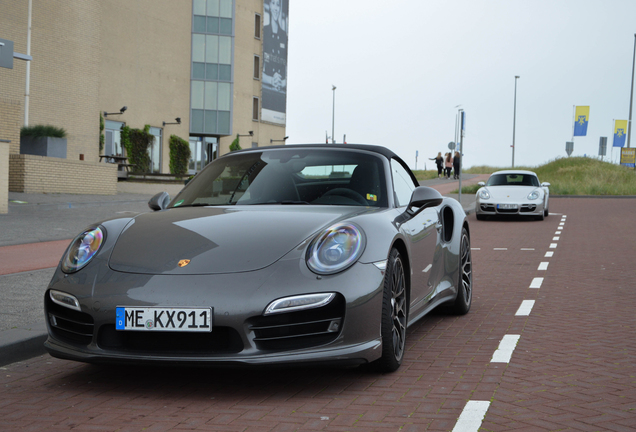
x=514 y=123
x=333 y=114
x=631 y=98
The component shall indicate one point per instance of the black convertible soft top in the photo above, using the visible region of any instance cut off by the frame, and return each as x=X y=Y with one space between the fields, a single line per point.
x=368 y=147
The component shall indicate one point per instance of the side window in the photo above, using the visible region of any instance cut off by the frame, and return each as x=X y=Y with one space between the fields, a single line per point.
x=403 y=185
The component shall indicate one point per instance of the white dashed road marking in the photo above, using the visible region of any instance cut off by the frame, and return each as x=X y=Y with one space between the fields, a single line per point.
x=506 y=347
x=549 y=254
x=553 y=245
x=543 y=266
x=471 y=417
x=500 y=249
x=536 y=283
x=555 y=238
x=525 y=308
x=527 y=249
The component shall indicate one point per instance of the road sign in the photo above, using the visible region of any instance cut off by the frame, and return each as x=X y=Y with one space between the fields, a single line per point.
x=602 y=146
x=451 y=145
x=6 y=53
x=569 y=146
x=628 y=157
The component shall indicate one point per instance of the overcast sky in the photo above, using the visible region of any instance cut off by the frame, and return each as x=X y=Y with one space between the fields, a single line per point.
x=401 y=67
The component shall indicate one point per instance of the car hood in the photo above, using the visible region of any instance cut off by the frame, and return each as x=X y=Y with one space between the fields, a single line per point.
x=510 y=193
x=218 y=240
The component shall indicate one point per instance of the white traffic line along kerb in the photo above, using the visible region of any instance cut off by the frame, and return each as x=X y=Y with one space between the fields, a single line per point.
x=543 y=266
x=536 y=283
x=525 y=308
x=471 y=417
x=500 y=249
x=527 y=249
x=506 y=347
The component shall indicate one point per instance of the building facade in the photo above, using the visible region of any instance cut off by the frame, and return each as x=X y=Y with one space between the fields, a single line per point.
x=191 y=68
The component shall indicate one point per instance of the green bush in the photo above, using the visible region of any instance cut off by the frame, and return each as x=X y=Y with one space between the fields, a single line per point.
x=101 y=132
x=39 y=131
x=235 y=144
x=179 y=155
x=136 y=143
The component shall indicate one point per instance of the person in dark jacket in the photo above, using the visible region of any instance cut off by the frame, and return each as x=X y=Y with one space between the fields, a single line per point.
x=439 y=161
x=456 y=165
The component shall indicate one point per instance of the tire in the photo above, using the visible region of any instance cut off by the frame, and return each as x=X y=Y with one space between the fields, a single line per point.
x=394 y=315
x=546 y=213
x=540 y=217
x=465 y=278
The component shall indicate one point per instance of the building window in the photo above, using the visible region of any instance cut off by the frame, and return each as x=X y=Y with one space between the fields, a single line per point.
x=112 y=133
x=257 y=26
x=257 y=67
x=255 y=108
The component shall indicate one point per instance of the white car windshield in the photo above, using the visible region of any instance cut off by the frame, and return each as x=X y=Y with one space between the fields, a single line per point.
x=513 y=180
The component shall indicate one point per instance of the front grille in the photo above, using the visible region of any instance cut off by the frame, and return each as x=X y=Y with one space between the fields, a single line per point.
x=69 y=325
x=221 y=340
x=297 y=330
x=526 y=208
x=488 y=207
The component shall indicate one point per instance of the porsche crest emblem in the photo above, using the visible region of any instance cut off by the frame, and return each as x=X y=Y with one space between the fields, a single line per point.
x=184 y=262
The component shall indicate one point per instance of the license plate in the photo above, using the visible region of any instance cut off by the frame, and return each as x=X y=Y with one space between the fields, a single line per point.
x=507 y=206
x=163 y=319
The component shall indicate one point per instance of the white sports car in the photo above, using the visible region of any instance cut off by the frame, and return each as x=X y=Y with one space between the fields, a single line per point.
x=512 y=192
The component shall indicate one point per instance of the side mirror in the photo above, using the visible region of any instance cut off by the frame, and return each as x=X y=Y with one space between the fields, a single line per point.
x=424 y=197
x=482 y=184
x=545 y=184
x=159 y=201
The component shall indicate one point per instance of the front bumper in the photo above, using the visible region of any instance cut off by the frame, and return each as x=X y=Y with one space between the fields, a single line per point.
x=524 y=209
x=240 y=335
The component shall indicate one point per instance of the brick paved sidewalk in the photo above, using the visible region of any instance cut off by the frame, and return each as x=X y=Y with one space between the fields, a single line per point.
x=572 y=368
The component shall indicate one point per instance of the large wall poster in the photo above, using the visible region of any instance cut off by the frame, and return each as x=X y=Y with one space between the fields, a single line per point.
x=276 y=25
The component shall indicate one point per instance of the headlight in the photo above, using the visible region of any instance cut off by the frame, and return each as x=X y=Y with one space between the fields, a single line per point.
x=82 y=250
x=335 y=249
x=534 y=195
x=483 y=194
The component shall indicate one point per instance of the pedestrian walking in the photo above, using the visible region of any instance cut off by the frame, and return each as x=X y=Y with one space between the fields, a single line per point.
x=448 y=165
x=439 y=161
x=456 y=165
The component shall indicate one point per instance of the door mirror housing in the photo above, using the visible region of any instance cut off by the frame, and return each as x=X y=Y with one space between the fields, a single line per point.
x=424 y=197
x=159 y=201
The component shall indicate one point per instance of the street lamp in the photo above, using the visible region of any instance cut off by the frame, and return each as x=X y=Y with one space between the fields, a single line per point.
x=514 y=123
x=333 y=114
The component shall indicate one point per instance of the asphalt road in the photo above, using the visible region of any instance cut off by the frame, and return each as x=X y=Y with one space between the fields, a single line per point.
x=553 y=307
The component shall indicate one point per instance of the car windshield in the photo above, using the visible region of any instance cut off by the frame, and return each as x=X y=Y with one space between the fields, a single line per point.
x=513 y=180
x=289 y=176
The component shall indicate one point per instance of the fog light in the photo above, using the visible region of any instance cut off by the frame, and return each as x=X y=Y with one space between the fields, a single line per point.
x=334 y=326
x=296 y=303
x=65 y=300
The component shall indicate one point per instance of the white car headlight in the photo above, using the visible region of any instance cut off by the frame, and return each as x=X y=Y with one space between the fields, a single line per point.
x=483 y=194
x=83 y=248
x=335 y=249
x=535 y=194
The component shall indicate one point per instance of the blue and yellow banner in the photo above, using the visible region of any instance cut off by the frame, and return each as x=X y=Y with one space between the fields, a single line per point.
x=620 y=128
x=581 y=117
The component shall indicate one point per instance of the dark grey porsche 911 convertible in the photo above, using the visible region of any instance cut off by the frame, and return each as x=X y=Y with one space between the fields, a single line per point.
x=293 y=254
